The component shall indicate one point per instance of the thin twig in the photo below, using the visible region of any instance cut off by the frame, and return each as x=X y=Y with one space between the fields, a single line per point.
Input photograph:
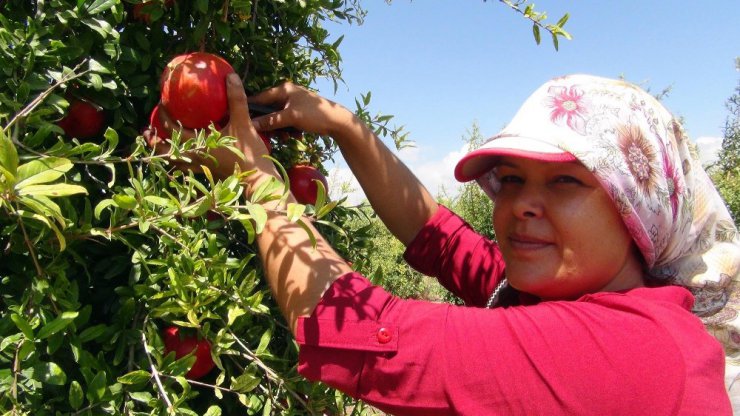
x=269 y=371
x=38 y=100
x=39 y=270
x=155 y=373
x=165 y=233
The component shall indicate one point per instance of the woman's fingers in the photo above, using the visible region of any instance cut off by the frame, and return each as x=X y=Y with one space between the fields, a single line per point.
x=272 y=121
x=275 y=96
x=238 y=109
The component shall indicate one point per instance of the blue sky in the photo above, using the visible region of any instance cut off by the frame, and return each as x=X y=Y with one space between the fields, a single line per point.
x=441 y=65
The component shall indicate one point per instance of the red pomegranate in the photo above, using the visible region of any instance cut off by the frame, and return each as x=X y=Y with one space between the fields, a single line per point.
x=302 y=183
x=194 y=89
x=83 y=120
x=156 y=125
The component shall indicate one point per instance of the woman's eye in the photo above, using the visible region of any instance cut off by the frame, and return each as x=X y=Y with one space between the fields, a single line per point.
x=510 y=179
x=567 y=179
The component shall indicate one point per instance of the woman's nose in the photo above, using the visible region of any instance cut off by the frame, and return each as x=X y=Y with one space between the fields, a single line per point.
x=528 y=203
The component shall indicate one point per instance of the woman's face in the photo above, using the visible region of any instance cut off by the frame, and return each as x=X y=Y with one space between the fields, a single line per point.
x=559 y=232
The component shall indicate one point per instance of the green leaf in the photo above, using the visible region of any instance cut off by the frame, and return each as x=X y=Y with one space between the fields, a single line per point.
x=101 y=206
x=96 y=388
x=159 y=201
x=100 y=6
x=563 y=20
x=111 y=138
x=56 y=190
x=75 y=395
x=326 y=209
x=295 y=211
x=45 y=221
x=141 y=396
x=233 y=313
x=93 y=332
x=23 y=325
x=56 y=325
x=536 y=33
x=213 y=411
x=8 y=157
x=264 y=341
x=41 y=171
x=43 y=206
x=50 y=373
x=555 y=41
x=135 y=377
x=125 y=201
x=96 y=81
x=101 y=26
x=259 y=215
x=246 y=222
x=308 y=231
x=245 y=383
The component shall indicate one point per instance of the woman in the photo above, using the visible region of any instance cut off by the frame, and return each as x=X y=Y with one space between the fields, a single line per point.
x=604 y=222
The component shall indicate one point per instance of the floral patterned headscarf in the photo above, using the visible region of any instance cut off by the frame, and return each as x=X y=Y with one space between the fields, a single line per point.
x=641 y=156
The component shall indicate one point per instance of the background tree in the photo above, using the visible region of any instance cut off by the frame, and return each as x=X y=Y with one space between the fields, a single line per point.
x=726 y=172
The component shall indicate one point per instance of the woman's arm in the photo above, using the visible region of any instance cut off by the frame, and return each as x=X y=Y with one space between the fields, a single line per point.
x=396 y=195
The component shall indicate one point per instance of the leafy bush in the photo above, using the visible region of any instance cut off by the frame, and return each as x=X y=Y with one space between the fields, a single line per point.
x=104 y=244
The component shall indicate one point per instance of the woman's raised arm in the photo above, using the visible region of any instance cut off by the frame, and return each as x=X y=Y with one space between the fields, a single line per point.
x=395 y=193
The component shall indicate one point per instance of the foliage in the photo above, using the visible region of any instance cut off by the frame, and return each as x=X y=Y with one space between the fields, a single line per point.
x=726 y=172
x=471 y=203
x=104 y=244
x=384 y=265
x=526 y=9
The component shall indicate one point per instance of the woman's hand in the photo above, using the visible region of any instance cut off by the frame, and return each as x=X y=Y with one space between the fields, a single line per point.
x=240 y=127
x=301 y=109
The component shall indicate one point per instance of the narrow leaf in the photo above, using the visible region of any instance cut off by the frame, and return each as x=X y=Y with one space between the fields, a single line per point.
x=536 y=33
x=101 y=206
x=41 y=171
x=23 y=325
x=56 y=190
x=135 y=377
x=57 y=324
x=8 y=156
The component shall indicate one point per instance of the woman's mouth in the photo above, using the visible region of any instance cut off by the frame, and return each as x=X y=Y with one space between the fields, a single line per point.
x=523 y=242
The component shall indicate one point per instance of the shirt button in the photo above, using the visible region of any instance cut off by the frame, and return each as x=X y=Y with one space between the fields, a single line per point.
x=384 y=336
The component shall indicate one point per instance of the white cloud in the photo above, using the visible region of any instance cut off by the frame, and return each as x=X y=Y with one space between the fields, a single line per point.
x=343 y=183
x=437 y=175
x=708 y=148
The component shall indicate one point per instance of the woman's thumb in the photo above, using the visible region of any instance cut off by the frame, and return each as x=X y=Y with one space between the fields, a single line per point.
x=236 y=96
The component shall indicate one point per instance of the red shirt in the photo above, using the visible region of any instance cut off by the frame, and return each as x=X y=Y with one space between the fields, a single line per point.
x=637 y=352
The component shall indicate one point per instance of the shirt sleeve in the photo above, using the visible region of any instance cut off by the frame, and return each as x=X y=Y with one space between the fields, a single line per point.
x=410 y=357
x=466 y=263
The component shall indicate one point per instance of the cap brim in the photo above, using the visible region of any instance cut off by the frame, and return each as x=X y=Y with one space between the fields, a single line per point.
x=483 y=159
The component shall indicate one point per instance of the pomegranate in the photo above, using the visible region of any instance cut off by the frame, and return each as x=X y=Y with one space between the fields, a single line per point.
x=303 y=183
x=83 y=120
x=194 y=89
